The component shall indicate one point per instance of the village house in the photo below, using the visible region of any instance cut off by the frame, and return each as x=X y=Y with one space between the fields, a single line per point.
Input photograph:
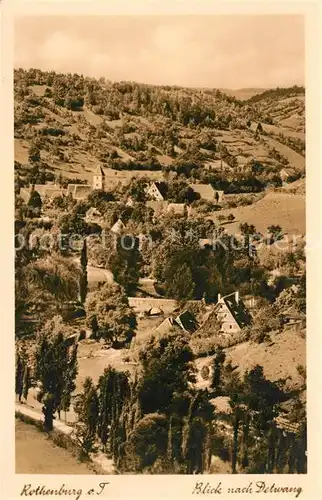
x=77 y=191
x=207 y=192
x=49 y=191
x=185 y=321
x=157 y=191
x=230 y=313
x=93 y=215
x=118 y=227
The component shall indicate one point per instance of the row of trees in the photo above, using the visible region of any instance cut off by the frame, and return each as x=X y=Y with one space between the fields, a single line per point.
x=158 y=422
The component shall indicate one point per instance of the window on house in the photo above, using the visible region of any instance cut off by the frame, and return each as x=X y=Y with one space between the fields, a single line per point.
x=230 y=326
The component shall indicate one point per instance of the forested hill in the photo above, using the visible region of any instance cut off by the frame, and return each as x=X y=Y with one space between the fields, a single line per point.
x=69 y=122
x=279 y=92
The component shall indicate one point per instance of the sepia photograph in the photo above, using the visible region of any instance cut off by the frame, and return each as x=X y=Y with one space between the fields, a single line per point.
x=160 y=245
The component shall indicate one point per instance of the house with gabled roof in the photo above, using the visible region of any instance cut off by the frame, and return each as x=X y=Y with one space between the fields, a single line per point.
x=230 y=313
x=49 y=191
x=207 y=192
x=118 y=227
x=167 y=326
x=79 y=191
x=187 y=321
x=157 y=191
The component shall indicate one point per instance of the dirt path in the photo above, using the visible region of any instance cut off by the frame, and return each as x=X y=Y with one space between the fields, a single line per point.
x=37 y=454
x=98 y=459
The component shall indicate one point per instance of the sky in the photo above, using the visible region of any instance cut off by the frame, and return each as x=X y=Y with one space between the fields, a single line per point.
x=231 y=51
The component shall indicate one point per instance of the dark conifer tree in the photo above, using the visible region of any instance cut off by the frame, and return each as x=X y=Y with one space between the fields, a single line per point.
x=53 y=362
x=83 y=279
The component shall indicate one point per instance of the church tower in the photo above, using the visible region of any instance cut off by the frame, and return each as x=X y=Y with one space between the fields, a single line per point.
x=99 y=179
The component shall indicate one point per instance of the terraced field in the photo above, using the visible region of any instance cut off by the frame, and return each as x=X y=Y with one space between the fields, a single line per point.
x=276 y=208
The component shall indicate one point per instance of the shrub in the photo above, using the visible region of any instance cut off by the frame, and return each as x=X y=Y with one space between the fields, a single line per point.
x=205 y=372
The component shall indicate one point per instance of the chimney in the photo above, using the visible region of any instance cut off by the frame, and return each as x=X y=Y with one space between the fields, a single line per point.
x=237 y=297
x=219 y=297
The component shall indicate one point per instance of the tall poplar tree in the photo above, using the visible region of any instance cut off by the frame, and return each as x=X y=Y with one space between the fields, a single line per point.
x=83 y=282
x=87 y=411
x=53 y=366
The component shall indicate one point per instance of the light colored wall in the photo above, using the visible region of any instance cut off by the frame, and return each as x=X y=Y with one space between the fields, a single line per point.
x=25 y=194
x=228 y=323
x=98 y=182
x=145 y=304
x=155 y=193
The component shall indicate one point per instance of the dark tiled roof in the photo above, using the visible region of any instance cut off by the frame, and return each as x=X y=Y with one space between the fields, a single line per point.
x=162 y=187
x=187 y=320
x=238 y=310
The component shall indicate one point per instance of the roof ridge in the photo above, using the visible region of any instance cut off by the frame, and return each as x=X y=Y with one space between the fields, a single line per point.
x=99 y=171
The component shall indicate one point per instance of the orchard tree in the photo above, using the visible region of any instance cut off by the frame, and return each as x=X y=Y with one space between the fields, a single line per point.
x=167 y=370
x=34 y=153
x=180 y=283
x=115 y=319
x=275 y=233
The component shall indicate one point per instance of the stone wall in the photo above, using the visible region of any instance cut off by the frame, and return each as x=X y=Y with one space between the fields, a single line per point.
x=142 y=305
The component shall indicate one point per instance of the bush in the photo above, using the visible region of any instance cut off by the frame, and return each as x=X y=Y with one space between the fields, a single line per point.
x=205 y=372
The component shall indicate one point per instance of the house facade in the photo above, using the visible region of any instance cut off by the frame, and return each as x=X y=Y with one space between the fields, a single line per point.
x=231 y=313
x=156 y=191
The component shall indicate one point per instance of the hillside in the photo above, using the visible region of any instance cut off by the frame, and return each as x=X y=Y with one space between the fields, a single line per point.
x=134 y=129
x=279 y=357
x=243 y=94
x=282 y=208
x=125 y=288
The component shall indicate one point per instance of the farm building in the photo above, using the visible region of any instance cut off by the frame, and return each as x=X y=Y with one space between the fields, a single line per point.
x=187 y=321
x=78 y=191
x=286 y=174
x=230 y=313
x=45 y=191
x=157 y=191
x=177 y=209
x=207 y=192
